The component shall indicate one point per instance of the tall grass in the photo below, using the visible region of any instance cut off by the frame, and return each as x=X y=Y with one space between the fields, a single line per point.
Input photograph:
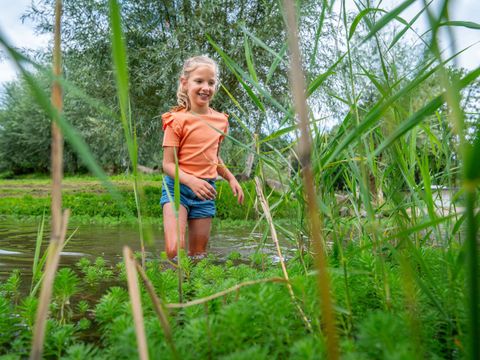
x=374 y=151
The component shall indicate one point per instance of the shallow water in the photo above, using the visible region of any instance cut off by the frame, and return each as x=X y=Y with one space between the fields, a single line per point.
x=17 y=243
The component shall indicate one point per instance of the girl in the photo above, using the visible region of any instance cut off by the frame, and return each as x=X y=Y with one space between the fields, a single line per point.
x=193 y=133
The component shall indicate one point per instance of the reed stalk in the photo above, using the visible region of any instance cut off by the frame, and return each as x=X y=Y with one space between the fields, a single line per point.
x=134 y=292
x=273 y=231
x=298 y=86
x=59 y=222
x=224 y=292
x=158 y=306
x=57 y=138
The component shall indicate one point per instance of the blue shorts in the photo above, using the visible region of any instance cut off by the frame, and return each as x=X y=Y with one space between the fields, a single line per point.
x=196 y=207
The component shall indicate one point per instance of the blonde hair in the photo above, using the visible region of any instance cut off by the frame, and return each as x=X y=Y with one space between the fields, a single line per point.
x=190 y=65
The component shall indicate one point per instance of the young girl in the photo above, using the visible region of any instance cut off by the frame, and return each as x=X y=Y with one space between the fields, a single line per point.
x=193 y=133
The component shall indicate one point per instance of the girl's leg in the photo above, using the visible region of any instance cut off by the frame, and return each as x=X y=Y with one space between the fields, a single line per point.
x=170 y=228
x=198 y=235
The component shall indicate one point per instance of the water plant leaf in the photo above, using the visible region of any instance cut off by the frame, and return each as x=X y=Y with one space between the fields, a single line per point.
x=359 y=17
x=241 y=75
x=408 y=26
x=419 y=227
x=276 y=62
x=318 y=33
x=260 y=43
x=467 y=24
x=249 y=59
x=393 y=14
x=472 y=157
x=36 y=256
x=428 y=109
x=315 y=83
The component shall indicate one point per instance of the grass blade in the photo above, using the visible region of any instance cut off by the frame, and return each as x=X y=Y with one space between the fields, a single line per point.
x=393 y=14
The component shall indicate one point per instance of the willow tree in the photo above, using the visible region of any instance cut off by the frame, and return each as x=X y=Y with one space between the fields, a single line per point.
x=160 y=35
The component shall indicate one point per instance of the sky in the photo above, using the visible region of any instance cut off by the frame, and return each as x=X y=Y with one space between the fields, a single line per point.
x=22 y=35
x=19 y=34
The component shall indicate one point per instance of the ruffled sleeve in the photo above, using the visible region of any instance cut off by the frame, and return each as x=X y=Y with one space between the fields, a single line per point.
x=169 y=120
x=172 y=128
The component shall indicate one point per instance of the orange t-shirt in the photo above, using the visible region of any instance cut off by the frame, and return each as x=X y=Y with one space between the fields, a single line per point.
x=197 y=138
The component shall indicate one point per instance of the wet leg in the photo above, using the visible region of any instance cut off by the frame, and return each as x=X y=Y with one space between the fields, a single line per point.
x=170 y=228
x=198 y=235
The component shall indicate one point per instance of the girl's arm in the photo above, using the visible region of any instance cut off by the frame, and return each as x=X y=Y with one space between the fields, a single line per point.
x=227 y=175
x=200 y=187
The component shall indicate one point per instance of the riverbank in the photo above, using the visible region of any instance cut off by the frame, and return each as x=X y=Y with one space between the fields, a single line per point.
x=90 y=201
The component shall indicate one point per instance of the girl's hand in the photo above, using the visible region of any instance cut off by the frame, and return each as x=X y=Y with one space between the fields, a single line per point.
x=237 y=190
x=202 y=189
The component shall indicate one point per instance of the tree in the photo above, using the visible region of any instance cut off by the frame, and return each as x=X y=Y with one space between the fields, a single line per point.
x=159 y=36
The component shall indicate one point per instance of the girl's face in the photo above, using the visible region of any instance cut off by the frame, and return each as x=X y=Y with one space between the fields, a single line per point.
x=200 y=87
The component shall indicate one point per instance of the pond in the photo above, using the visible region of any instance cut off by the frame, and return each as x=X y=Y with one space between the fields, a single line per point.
x=17 y=243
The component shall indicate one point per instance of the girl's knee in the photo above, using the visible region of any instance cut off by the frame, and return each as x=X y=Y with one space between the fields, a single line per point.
x=171 y=253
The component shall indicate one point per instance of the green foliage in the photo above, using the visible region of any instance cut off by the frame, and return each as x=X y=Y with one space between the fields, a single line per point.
x=261 y=316
x=95 y=273
x=111 y=306
x=385 y=336
x=65 y=286
x=158 y=39
x=7 y=323
x=10 y=288
x=60 y=337
x=95 y=203
x=81 y=351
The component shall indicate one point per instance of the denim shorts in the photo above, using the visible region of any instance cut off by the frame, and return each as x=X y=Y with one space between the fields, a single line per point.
x=196 y=207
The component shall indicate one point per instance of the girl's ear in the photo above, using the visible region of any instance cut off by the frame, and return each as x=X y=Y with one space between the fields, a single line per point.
x=183 y=82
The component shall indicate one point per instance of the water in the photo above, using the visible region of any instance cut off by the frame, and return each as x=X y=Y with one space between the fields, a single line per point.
x=17 y=244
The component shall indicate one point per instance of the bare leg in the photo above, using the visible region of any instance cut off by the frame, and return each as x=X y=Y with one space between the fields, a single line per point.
x=170 y=228
x=198 y=235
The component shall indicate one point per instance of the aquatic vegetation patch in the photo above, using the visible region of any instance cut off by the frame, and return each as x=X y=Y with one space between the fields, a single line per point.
x=256 y=321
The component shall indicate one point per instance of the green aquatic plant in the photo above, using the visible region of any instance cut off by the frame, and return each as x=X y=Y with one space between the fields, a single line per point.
x=82 y=307
x=96 y=272
x=8 y=324
x=27 y=310
x=82 y=351
x=382 y=335
x=219 y=318
x=10 y=288
x=66 y=285
x=59 y=338
x=386 y=268
x=110 y=306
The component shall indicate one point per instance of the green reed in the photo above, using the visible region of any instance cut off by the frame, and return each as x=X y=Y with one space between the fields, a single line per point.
x=375 y=151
